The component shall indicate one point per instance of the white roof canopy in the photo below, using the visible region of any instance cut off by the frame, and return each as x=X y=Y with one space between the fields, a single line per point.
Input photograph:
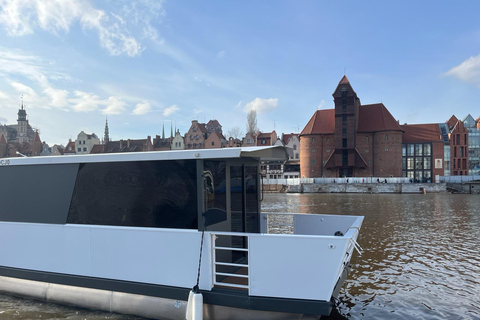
x=270 y=153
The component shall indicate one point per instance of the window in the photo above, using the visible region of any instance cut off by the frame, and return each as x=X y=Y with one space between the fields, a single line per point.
x=297 y=156
x=313 y=161
x=386 y=149
x=213 y=143
x=170 y=204
x=79 y=149
x=85 y=149
x=344 y=143
x=386 y=137
x=294 y=147
x=249 y=141
x=366 y=139
x=263 y=141
x=313 y=140
x=344 y=119
x=313 y=150
x=194 y=129
x=366 y=150
x=191 y=137
x=344 y=130
x=418 y=150
x=328 y=139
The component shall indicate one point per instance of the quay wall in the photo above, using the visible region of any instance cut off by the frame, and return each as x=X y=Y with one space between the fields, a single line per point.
x=368 y=188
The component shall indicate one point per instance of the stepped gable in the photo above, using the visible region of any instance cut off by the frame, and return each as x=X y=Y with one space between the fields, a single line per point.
x=376 y=117
x=421 y=132
x=322 y=122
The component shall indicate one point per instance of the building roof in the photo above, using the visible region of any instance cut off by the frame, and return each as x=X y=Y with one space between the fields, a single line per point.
x=376 y=117
x=97 y=148
x=344 y=80
x=265 y=134
x=213 y=123
x=371 y=118
x=287 y=136
x=322 y=122
x=71 y=145
x=452 y=121
x=427 y=132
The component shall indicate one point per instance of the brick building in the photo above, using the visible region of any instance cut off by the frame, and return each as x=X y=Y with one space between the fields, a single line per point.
x=351 y=140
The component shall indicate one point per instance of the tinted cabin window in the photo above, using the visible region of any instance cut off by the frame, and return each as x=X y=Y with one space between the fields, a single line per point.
x=159 y=194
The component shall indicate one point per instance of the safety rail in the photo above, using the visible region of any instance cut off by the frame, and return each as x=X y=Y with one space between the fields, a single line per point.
x=230 y=260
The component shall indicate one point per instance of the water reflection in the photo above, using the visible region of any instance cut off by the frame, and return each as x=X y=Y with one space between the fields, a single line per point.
x=421 y=253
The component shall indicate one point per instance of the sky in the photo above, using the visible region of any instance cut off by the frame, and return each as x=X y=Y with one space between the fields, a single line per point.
x=146 y=64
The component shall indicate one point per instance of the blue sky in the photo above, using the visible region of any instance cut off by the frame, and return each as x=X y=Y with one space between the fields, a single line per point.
x=145 y=63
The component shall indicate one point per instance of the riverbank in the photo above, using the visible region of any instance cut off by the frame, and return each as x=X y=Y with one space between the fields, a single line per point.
x=408 y=188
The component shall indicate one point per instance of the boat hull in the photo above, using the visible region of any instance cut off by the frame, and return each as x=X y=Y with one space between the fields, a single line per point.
x=128 y=303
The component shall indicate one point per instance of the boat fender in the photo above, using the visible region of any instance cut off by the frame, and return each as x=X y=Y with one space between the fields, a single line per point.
x=194 y=305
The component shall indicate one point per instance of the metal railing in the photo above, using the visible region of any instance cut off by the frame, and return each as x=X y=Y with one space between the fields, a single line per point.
x=230 y=261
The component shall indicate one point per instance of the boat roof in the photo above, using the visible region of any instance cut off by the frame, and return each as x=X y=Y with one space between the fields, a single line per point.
x=269 y=153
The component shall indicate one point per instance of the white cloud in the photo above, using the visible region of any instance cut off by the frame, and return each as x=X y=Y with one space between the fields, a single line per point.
x=114 y=106
x=468 y=71
x=58 y=97
x=27 y=92
x=115 y=30
x=221 y=54
x=261 y=105
x=142 y=108
x=170 y=110
x=85 y=102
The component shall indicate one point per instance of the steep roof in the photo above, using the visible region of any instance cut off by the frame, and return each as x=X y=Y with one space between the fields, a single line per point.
x=344 y=80
x=213 y=123
x=376 y=117
x=322 y=122
x=452 y=121
x=427 y=132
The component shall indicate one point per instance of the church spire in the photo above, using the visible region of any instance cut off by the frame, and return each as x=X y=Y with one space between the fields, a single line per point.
x=171 y=129
x=106 y=136
x=163 y=130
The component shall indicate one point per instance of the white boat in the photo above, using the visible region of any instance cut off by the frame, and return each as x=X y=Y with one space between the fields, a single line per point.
x=123 y=233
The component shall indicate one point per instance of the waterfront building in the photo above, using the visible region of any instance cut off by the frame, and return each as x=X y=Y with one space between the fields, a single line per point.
x=128 y=145
x=422 y=152
x=266 y=138
x=215 y=140
x=292 y=166
x=85 y=142
x=458 y=148
x=473 y=128
x=250 y=140
x=196 y=135
x=177 y=142
x=69 y=148
x=351 y=140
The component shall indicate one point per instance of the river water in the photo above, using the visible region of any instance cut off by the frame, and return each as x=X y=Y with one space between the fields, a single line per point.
x=421 y=258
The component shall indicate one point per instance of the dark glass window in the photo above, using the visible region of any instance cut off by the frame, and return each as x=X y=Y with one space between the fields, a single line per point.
x=344 y=143
x=159 y=194
x=215 y=176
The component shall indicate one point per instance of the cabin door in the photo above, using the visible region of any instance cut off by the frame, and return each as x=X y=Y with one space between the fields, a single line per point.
x=244 y=198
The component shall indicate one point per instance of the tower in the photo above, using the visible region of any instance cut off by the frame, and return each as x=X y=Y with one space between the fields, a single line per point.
x=106 y=136
x=22 y=125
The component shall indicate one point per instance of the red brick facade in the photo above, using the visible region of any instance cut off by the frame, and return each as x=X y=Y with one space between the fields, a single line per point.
x=351 y=140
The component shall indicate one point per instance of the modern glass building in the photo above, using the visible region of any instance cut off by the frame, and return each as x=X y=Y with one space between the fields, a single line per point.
x=473 y=145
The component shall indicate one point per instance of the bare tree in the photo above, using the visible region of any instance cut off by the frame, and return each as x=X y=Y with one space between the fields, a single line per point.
x=235 y=133
x=252 y=121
